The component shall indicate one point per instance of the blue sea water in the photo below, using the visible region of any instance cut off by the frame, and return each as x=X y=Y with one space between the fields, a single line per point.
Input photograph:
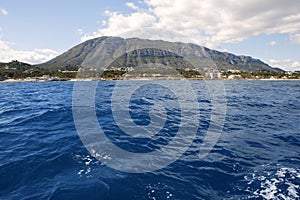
x=256 y=157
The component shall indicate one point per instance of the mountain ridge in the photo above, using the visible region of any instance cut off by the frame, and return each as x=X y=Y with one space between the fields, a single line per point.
x=87 y=54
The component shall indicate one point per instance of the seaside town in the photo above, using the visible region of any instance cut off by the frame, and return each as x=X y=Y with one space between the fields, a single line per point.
x=16 y=71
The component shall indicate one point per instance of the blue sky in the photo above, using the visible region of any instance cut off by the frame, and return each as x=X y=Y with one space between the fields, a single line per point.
x=35 y=31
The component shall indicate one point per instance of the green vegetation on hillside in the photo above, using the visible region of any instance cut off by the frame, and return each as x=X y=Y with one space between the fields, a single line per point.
x=113 y=74
x=16 y=69
x=189 y=73
x=19 y=70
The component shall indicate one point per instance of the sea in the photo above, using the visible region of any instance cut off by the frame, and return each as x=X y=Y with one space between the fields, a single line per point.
x=255 y=156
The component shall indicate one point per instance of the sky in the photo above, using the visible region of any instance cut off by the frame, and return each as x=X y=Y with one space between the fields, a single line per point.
x=35 y=31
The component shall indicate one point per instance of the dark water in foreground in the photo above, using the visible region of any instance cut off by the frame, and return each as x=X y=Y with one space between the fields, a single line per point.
x=256 y=157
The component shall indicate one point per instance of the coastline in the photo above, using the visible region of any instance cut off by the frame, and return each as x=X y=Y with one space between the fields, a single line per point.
x=141 y=79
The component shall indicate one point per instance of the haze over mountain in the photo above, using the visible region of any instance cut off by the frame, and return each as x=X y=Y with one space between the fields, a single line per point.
x=106 y=52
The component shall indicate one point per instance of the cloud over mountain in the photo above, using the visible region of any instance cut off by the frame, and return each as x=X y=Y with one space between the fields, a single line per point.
x=207 y=22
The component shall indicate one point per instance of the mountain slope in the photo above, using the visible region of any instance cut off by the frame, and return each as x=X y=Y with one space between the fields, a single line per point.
x=105 y=52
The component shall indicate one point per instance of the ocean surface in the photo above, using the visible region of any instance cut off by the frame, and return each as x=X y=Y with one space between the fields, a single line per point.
x=257 y=156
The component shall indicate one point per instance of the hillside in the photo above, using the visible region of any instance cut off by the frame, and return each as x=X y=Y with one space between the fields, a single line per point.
x=20 y=70
x=16 y=69
x=97 y=53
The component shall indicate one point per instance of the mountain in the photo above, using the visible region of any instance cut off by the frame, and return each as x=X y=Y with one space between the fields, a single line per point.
x=108 y=52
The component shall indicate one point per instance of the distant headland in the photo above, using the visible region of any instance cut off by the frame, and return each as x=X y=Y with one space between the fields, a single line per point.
x=86 y=61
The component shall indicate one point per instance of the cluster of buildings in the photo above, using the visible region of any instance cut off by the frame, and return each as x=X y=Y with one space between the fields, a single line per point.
x=44 y=78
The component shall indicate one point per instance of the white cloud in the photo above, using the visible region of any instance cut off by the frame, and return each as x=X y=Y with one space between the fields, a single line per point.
x=118 y=24
x=132 y=5
x=8 y=53
x=103 y=22
x=286 y=64
x=209 y=22
x=272 y=44
x=79 y=31
x=3 y=11
x=296 y=64
x=46 y=51
x=0 y=32
x=295 y=38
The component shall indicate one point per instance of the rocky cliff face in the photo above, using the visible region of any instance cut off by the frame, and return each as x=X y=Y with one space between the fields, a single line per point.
x=105 y=52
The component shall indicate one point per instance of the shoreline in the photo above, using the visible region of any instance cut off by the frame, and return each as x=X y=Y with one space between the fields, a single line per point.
x=90 y=79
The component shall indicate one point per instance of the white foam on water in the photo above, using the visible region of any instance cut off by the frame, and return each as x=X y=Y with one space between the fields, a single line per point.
x=292 y=189
x=80 y=172
x=159 y=191
x=269 y=189
x=87 y=162
x=278 y=183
